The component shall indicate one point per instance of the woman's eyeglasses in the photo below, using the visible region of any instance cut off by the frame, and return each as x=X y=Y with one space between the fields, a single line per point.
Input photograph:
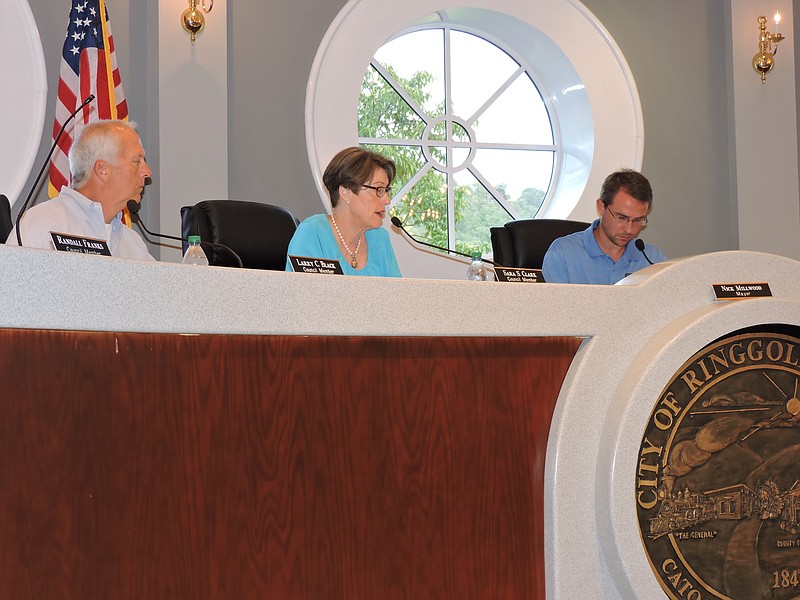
x=379 y=191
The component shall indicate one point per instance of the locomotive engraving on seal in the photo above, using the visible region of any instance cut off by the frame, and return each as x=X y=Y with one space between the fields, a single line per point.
x=718 y=473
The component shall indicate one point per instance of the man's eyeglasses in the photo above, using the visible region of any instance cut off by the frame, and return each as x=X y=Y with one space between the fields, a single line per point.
x=624 y=219
x=379 y=191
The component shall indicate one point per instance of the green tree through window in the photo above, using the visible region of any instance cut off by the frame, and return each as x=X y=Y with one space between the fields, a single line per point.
x=450 y=187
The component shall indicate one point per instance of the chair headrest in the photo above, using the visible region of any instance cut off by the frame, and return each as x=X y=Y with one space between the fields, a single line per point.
x=259 y=233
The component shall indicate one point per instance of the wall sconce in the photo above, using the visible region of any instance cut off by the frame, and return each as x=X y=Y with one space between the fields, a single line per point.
x=767 y=47
x=192 y=19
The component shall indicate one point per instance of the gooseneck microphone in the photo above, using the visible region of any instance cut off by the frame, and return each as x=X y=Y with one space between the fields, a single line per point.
x=640 y=246
x=133 y=209
x=89 y=98
x=399 y=224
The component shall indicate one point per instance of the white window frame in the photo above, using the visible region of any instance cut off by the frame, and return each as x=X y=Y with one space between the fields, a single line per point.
x=22 y=112
x=524 y=70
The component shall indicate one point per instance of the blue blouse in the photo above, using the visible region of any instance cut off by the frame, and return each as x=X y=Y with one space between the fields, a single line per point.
x=315 y=238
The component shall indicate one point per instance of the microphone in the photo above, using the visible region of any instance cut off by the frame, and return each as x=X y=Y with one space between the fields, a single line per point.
x=640 y=246
x=133 y=209
x=399 y=224
x=89 y=98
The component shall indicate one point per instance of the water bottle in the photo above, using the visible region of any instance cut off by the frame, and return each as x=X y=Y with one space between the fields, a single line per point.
x=476 y=270
x=194 y=253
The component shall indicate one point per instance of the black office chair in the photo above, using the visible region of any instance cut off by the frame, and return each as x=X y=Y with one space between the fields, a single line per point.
x=259 y=233
x=524 y=242
x=6 y=222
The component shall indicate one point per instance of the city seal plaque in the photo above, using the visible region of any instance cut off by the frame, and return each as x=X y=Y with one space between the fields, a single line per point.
x=718 y=473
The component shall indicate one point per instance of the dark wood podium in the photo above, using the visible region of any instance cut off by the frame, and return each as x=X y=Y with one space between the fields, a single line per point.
x=138 y=465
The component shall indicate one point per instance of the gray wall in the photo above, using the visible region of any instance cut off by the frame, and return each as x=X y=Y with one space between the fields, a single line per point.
x=676 y=51
x=273 y=45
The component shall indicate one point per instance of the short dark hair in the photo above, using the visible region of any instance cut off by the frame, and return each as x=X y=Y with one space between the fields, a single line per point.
x=352 y=168
x=629 y=180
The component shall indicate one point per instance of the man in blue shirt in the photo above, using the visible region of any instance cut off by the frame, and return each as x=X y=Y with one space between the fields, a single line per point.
x=603 y=253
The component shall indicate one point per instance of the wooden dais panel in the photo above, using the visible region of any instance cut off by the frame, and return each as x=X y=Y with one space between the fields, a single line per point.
x=248 y=467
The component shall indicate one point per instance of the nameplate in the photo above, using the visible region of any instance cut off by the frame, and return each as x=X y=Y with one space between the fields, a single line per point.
x=516 y=275
x=306 y=264
x=741 y=291
x=64 y=242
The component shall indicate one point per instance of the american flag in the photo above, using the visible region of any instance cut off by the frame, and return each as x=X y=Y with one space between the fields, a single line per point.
x=88 y=66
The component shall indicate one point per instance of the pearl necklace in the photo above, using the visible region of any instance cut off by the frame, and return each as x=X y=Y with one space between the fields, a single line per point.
x=353 y=259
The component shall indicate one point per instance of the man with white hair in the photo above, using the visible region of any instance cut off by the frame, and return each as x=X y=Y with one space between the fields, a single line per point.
x=108 y=168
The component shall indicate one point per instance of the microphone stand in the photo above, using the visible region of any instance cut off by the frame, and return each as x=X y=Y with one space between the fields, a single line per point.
x=399 y=224
x=44 y=165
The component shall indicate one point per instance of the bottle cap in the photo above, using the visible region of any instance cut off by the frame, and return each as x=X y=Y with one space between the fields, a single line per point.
x=194 y=239
x=476 y=256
